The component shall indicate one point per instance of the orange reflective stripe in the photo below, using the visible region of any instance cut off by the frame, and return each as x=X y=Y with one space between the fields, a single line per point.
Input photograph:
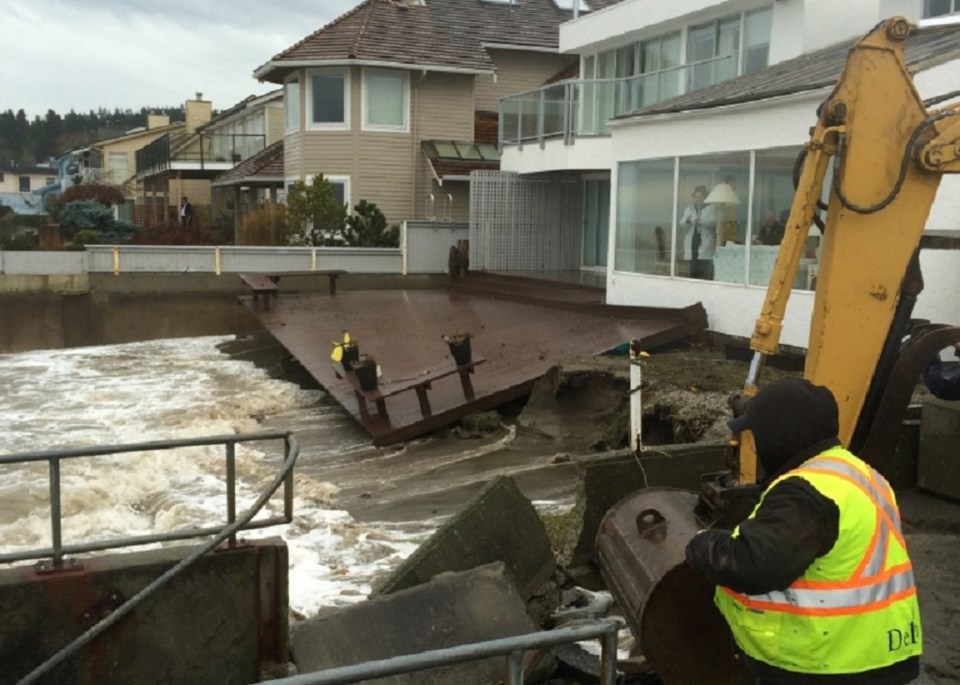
x=880 y=489
x=762 y=605
x=852 y=582
x=894 y=528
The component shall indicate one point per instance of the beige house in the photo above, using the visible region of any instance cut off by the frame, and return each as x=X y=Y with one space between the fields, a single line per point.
x=118 y=155
x=184 y=162
x=395 y=102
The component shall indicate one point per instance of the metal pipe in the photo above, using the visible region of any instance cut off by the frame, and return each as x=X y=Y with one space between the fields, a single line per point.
x=410 y=663
x=55 y=513
x=232 y=488
x=514 y=664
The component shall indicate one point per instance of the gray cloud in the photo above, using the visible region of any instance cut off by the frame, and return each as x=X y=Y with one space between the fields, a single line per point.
x=86 y=54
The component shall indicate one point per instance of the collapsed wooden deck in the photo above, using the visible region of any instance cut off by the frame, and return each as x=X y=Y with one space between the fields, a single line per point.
x=403 y=329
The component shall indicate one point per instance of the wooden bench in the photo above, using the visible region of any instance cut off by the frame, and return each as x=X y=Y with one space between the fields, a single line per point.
x=262 y=286
x=419 y=385
x=331 y=274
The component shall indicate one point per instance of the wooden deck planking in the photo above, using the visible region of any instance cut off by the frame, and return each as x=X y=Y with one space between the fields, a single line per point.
x=403 y=328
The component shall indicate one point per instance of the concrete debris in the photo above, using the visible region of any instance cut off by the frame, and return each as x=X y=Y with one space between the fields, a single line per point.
x=500 y=524
x=451 y=609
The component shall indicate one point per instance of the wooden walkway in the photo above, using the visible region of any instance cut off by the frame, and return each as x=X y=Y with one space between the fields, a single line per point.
x=518 y=342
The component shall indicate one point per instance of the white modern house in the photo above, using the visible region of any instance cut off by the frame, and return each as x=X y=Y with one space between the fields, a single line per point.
x=673 y=96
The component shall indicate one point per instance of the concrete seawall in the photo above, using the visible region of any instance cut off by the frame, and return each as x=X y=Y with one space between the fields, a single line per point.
x=52 y=312
x=236 y=599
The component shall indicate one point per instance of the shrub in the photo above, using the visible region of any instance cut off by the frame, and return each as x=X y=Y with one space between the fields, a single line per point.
x=314 y=216
x=86 y=237
x=368 y=228
x=85 y=215
x=265 y=226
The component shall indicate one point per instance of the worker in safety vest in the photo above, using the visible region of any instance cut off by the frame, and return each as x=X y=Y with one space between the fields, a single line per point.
x=816 y=584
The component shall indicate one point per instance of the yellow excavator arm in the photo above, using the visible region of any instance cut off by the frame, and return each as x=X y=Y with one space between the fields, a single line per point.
x=887 y=153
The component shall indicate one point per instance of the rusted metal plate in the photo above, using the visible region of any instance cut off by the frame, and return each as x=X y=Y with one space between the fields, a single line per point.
x=403 y=330
x=667 y=604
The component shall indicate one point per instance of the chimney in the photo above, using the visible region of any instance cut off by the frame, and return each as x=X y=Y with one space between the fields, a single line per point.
x=157 y=120
x=198 y=112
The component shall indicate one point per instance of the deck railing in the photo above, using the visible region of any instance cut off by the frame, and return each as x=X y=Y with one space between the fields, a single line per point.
x=217 y=151
x=54 y=459
x=569 y=109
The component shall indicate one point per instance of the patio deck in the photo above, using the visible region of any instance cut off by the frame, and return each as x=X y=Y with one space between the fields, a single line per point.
x=518 y=340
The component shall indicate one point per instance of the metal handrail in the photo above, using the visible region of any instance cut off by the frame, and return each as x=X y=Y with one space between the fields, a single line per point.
x=511 y=648
x=285 y=476
x=55 y=457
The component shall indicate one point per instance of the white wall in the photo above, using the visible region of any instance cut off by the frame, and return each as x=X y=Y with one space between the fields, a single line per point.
x=945 y=213
x=593 y=153
x=732 y=309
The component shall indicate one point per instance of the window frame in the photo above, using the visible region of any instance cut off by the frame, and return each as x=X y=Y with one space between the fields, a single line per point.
x=344 y=125
x=364 y=100
x=291 y=123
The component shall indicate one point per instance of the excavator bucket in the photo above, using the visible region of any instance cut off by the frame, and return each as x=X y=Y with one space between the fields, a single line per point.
x=669 y=606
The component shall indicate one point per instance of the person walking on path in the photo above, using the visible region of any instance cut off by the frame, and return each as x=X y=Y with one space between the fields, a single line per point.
x=816 y=584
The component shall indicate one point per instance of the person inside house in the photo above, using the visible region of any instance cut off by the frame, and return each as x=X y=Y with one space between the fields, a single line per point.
x=699 y=225
x=186 y=212
x=771 y=230
x=816 y=584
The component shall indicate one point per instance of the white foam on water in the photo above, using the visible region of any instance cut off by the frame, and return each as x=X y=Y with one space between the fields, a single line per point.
x=171 y=389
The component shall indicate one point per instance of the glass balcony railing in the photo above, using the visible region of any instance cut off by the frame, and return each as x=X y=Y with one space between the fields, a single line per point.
x=203 y=150
x=569 y=109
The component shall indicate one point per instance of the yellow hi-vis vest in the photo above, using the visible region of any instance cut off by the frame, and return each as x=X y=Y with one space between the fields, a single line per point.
x=855 y=608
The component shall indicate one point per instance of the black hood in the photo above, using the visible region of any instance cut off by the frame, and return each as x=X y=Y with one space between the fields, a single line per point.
x=792 y=420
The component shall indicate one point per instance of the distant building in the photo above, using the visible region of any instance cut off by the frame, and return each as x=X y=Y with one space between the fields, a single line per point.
x=396 y=102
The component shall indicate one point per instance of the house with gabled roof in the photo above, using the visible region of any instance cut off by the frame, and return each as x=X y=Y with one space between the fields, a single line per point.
x=396 y=101
x=183 y=162
x=673 y=97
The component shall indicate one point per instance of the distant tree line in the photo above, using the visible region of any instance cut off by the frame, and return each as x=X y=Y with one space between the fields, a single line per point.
x=25 y=142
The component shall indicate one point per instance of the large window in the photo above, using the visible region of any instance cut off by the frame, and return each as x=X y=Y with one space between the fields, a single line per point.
x=714 y=217
x=24 y=184
x=596 y=221
x=645 y=193
x=756 y=40
x=118 y=166
x=385 y=99
x=936 y=8
x=291 y=104
x=712 y=50
x=712 y=213
x=328 y=99
x=659 y=59
x=640 y=74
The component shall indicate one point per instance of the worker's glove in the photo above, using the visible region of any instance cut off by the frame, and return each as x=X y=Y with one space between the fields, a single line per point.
x=738 y=403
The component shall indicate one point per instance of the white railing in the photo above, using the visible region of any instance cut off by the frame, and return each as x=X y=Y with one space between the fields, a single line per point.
x=568 y=109
x=424 y=249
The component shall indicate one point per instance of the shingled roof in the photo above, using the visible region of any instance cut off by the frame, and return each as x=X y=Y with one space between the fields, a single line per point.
x=448 y=35
x=263 y=168
x=814 y=70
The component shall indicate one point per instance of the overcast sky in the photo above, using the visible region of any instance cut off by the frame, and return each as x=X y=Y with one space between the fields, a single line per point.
x=86 y=54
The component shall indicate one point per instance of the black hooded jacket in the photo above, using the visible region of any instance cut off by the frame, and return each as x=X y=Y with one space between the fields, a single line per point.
x=792 y=420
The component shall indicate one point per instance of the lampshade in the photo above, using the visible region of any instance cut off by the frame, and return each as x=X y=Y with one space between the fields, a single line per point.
x=722 y=194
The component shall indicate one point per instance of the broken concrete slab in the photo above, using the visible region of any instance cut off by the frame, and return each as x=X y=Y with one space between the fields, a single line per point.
x=452 y=609
x=500 y=524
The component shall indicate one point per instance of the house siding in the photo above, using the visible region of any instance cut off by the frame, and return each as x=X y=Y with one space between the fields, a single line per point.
x=444 y=106
x=517 y=72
